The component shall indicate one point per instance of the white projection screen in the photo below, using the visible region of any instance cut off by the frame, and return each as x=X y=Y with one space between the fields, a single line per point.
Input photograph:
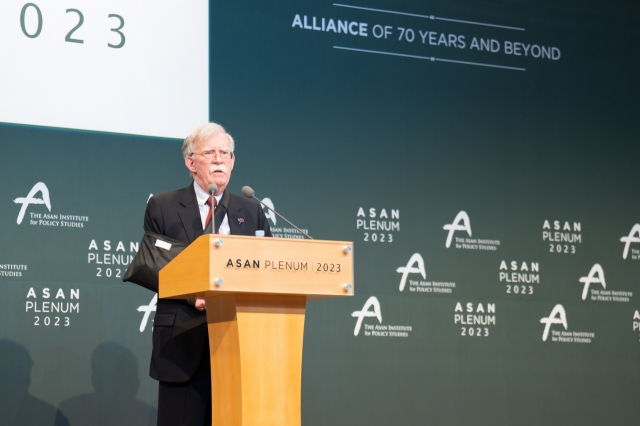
x=134 y=67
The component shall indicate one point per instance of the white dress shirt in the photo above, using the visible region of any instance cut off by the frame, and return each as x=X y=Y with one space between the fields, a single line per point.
x=202 y=196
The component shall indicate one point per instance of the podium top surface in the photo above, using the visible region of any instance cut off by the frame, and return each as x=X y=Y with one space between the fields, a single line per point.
x=222 y=264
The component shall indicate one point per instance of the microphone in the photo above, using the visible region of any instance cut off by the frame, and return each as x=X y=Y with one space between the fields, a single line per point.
x=249 y=193
x=213 y=188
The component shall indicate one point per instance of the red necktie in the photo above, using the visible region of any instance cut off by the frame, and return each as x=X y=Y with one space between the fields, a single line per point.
x=211 y=210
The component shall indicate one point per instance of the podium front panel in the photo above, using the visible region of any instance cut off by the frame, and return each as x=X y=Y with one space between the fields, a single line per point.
x=224 y=264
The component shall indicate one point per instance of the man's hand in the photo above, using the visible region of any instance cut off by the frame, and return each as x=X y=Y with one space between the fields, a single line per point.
x=201 y=304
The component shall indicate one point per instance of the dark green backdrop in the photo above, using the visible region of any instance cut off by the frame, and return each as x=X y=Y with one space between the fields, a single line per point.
x=324 y=131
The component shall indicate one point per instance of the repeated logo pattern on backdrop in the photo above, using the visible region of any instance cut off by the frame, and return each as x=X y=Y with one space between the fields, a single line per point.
x=477 y=319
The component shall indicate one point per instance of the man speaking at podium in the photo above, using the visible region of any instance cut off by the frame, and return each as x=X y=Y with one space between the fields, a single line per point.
x=180 y=357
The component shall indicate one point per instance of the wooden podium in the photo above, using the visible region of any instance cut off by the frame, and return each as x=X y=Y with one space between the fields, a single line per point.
x=256 y=291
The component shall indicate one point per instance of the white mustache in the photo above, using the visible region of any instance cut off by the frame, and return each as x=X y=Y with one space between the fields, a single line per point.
x=217 y=168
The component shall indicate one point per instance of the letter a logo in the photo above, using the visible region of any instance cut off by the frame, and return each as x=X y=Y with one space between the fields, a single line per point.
x=30 y=199
x=592 y=278
x=630 y=239
x=269 y=213
x=455 y=226
x=557 y=316
x=365 y=312
x=147 y=309
x=409 y=269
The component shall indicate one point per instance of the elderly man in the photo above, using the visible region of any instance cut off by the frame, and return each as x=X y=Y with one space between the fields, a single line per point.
x=180 y=358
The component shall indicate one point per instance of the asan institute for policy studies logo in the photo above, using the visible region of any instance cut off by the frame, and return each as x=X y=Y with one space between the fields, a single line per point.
x=40 y=218
x=633 y=237
x=31 y=199
x=372 y=302
x=266 y=202
x=371 y=309
x=415 y=265
x=462 y=223
x=282 y=231
x=147 y=310
x=596 y=276
x=558 y=316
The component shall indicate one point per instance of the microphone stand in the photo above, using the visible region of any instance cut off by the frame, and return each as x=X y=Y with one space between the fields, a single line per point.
x=299 y=230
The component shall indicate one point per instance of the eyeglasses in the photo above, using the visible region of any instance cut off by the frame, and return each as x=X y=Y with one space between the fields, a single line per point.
x=208 y=155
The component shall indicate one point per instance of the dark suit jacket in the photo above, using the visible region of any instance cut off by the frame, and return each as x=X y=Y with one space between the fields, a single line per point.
x=179 y=329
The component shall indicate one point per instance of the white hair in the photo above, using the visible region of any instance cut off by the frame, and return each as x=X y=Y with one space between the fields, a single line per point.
x=203 y=133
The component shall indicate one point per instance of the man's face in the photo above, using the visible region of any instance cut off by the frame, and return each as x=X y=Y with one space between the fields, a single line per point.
x=214 y=169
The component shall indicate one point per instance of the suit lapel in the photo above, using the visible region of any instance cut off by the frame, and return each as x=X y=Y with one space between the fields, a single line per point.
x=190 y=214
x=222 y=210
x=236 y=218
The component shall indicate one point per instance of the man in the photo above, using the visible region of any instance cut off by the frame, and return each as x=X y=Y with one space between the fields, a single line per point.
x=180 y=358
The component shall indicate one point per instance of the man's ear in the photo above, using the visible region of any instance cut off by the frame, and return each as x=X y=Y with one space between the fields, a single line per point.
x=188 y=161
